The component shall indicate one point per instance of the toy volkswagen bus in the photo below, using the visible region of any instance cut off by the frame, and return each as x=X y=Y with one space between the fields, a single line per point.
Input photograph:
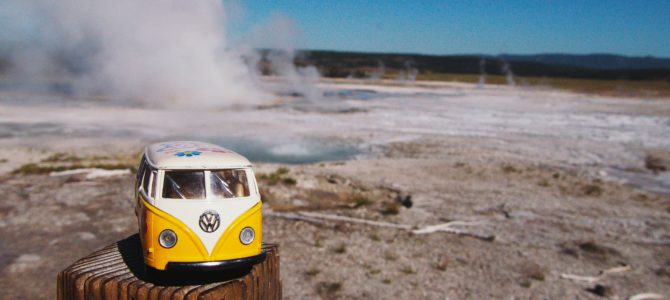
x=198 y=207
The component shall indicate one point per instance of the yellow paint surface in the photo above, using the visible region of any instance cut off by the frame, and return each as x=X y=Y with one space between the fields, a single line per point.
x=189 y=248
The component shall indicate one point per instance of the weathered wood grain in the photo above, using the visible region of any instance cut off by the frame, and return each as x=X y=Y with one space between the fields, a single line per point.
x=117 y=272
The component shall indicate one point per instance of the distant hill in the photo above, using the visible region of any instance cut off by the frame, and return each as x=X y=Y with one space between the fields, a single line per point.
x=595 y=61
x=368 y=65
x=597 y=66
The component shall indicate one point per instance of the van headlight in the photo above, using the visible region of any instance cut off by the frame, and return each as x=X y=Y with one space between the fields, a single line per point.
x=247 y=235
x=167 y=238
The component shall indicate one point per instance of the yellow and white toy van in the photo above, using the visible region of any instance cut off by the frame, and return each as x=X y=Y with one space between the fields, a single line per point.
x=198 y=207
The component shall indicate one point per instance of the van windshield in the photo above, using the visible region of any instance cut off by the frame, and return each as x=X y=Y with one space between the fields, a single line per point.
x=229 y=183
x=184 y=185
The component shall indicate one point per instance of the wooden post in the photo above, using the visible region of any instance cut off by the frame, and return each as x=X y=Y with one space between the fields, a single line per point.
x=117 y=272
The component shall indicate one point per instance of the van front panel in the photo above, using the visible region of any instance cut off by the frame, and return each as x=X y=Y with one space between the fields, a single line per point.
x=191 y=248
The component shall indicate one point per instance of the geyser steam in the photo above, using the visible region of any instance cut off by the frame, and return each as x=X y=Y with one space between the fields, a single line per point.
x=154 y=51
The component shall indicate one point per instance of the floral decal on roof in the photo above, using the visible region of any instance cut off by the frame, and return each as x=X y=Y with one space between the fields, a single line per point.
x=188 y=153
x=179 y=147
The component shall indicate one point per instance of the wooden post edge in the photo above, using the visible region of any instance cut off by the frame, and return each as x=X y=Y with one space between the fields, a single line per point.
x=117 y=272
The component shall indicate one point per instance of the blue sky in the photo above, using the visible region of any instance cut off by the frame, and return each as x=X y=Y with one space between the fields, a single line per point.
x=459 y=27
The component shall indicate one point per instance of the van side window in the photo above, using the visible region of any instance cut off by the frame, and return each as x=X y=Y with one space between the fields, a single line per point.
x=154 y=179
x=146 y=180
x=140 y=172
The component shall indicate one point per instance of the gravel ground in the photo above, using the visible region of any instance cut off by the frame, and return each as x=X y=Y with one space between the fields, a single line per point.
x=545 y=221
x=550 y=183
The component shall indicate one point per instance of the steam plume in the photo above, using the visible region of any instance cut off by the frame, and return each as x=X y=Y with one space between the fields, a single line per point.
x=509 y=75
x=482 y=73
x=281 y=36
x=152 y=51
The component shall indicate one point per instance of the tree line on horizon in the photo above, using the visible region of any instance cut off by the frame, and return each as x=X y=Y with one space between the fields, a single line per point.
x=603 y=66
x=342 y=64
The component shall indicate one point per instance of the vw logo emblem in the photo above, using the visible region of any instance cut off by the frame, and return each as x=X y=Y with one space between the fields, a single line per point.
x=209 y=221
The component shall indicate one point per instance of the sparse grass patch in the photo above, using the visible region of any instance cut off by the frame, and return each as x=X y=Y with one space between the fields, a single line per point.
x=391 y=208
x=442 y=263
x=282 y=171
x=36 y=169
x=568 y=250
x=390 y=256
x=591 y=250
x=327 y=290
x=375 y=237
x=62 y=157
x=282 y=207
x=592 y=190
x=533 y=271
x=289 y=181
x=60 y=161
x=459 y=164
x=640 y=197
x=508 y=168
x=3 y=160
x=407 y=270
x=312 y=272
x=592 y=247
x=270 y=179
x=655 y=164
x=326 y=199
x=663 y=270
x=468 y=169
x=543 y=182
x=341 y=249
x=359 y=200
x=278 y=176
x=112 y=166
x=386 y=281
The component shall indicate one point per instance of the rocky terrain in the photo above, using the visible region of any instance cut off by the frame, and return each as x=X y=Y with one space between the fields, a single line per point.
x=532 y=194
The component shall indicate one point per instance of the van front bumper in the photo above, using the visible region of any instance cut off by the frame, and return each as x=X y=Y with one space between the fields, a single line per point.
x=216 y=265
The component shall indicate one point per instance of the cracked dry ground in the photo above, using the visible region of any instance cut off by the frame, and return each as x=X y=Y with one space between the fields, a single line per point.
x=547 y=220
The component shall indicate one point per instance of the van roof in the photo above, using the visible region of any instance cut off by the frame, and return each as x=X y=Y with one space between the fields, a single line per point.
x=192 y=155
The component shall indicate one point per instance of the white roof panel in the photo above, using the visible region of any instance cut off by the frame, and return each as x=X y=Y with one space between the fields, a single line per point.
x=192 y=155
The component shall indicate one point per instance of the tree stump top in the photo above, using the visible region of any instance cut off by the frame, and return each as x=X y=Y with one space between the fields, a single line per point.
x=117 y=272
